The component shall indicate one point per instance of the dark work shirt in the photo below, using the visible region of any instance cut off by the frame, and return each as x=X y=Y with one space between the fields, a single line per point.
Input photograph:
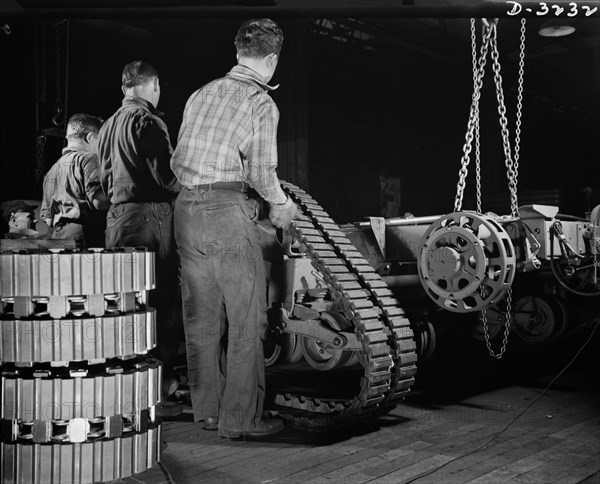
x=135 y=151
x=70 y=186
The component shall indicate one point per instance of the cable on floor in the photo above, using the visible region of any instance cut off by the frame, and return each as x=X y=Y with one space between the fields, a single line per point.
x=495 y=436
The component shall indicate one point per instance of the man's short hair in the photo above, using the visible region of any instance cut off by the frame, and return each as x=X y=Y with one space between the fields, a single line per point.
x=81 y=124
x=258 y=38
x=136 y=73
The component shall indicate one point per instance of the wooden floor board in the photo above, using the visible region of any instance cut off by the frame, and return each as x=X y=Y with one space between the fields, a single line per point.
x=516 y=433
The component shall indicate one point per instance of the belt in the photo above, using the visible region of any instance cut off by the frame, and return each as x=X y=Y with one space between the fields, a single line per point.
x=239 y=186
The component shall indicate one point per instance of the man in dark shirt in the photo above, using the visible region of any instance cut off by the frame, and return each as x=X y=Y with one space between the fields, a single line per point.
x=134 y=150
x=73 y=204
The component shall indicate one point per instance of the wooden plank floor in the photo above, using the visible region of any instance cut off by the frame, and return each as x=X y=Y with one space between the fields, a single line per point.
x=457 y=426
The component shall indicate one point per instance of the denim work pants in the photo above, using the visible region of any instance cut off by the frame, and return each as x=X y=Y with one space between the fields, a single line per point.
x=150 y=225
x=70 y=231
x=224 y=305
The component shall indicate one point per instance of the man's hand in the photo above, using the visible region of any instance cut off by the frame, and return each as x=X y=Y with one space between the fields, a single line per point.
x=281 y=215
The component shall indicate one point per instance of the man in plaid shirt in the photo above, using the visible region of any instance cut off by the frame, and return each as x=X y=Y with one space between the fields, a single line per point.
x=226 y=150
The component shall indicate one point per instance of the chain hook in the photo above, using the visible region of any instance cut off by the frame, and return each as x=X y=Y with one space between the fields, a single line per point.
x=488 y=23
x=59 y=116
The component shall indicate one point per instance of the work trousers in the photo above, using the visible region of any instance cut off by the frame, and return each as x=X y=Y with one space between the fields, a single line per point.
x=70 y=230
x=150 y=225
x=224 y=305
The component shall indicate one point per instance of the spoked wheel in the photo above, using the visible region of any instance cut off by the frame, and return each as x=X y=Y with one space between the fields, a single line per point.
x=466 y=261
x=539 y=318
x=322 y=357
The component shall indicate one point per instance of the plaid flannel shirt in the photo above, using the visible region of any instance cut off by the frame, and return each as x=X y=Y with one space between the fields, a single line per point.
x=229 y=133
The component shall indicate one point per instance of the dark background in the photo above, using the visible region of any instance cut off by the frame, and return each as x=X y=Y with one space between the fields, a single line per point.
x=360 y=98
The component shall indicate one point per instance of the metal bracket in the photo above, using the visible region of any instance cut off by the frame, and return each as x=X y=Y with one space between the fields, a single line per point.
x=314 y=328
x=378 y=228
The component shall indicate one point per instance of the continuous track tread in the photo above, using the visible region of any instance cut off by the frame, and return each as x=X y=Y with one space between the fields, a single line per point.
x=388 y=353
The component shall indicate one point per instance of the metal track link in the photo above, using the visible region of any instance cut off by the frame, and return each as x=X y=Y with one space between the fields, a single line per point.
x=81 y=463
x=44 y=273
x=72 y=306
x=388 y=356
x=55 y=393
x=84 y=339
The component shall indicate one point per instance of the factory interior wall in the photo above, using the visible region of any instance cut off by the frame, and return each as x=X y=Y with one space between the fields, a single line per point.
x=351 y=117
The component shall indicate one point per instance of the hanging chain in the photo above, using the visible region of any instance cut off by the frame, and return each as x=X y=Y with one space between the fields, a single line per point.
x=473 y=128
x=476 y=118
x=519 y=100
x=40 y=53
x=489 y=41
x=67 y=42
x=507 y=323
x=58 y=102
x=472 y=116
x=595 y=245
x=60 y=105
x=510 y=165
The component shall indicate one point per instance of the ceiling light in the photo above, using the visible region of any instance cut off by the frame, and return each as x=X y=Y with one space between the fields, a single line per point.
x=557 y=28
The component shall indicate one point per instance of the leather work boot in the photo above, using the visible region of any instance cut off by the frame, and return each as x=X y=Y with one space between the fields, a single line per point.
x=265 y=427
x=211 y=423
x=168 y=410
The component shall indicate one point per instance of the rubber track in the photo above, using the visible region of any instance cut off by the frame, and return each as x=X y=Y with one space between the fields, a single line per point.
x=99 y=461
x=54 y=398
x=389 y=350
x=35 y=273
x=46 y=340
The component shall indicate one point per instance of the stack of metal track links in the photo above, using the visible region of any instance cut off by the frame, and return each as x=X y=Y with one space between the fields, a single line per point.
x=78 y=389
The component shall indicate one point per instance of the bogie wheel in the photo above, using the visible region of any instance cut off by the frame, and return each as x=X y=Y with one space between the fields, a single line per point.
x=291 y=350
x=540 y=318
x=425 y=339
x=322 y=357
x=272 y=348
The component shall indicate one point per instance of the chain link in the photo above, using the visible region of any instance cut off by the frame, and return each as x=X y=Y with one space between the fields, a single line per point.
x=504 y=127
x=489 y=41
x=473 y=116
x=511 y=165
x=477 y=138
x=40 y=93
x=507 y=323
x=595 y=249
x=67 y=42
x=58 y=101
x=519 y=100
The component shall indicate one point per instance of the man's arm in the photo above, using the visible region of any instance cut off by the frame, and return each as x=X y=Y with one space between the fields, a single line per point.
x=104 y=162
x=45 y=209
x=262 y=165
x=262 y=159
x=90 y=172
x=156 y=147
